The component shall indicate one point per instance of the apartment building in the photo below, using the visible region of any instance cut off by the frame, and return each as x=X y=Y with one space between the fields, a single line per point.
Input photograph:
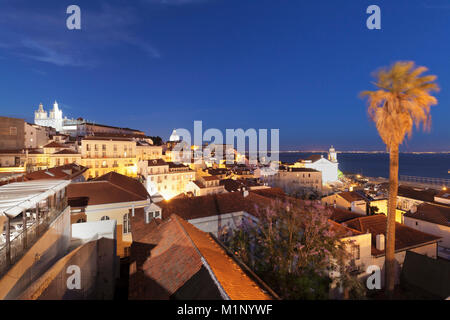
x=105 y=154
x=293 y=179
x=165 y=178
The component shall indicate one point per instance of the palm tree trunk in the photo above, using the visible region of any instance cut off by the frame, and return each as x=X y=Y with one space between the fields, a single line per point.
x=390 y=232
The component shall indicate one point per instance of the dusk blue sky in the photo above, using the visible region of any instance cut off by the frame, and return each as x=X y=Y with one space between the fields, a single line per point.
x=156 y=65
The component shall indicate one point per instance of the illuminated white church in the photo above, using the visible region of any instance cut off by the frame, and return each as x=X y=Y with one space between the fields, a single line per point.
x=328 y=167
x=54 y=119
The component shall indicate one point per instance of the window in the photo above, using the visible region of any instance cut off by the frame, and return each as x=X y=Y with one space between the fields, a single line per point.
x=104 y=147
x=355 y=252
x=88 y=147
x=104 y=218
x=81 y=220
x=126 y=223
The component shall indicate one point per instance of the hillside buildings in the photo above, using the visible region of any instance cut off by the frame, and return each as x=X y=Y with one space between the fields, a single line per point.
x=17 y=134
x=205 y=185
x=110 y=197
x=293 y=179
x=76 y=127
x=103 y=154
x=367 y=241
x=433 y=218
x=165 y=178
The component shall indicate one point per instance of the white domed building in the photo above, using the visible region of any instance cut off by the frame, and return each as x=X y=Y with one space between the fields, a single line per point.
x=174 y=137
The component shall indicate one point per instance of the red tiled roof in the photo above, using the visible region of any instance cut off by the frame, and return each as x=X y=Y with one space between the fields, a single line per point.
x=405 y=237
x=210 y=178
x=106 y=138
x=274 y=193
x=13 y=151
x=156 y=162
x=65 y=172
x=54 y=144
x=212 y=205
x=434 y=213
x=35 y=152
x=173 y=253
x=340 y=215
x=231 y=185
x=101 y=192
x=342 y=230
x=67 y=151
x=418 y=194
x=351 y=196
x=128 y=183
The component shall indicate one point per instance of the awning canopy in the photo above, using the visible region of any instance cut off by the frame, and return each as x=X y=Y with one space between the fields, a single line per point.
x=19 y=196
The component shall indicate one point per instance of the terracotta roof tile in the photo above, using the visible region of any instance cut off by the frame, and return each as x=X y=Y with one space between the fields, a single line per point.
x=54 y=144
x=101 y=192
x=418 y=194
x=340 y=215
x=66 y=172
x=176 y=253
x=351 y=196
x=67 y=151
x=215 y=204
x=405 y=237
x=128 y=183
x=434 y=213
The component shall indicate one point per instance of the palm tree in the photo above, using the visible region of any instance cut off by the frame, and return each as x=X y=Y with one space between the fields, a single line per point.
x=402 y=100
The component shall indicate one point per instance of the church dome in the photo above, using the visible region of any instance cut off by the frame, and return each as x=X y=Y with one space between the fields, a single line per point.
x=174 y=136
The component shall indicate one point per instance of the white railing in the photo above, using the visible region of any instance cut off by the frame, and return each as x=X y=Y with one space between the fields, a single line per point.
x=426 y=180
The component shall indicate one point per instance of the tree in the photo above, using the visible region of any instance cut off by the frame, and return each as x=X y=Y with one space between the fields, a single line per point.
x=292 y=246
x=402 y=100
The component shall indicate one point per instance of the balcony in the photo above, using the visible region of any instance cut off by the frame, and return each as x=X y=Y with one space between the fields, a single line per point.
x=131 y=156
x=24 y=222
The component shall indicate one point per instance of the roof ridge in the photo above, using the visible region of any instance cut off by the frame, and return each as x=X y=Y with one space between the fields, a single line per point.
x=111 y=174
x=120 y=187
x=345 y=226
x=204 y=261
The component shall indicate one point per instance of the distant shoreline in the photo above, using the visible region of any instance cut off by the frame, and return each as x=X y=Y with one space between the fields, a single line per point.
x=362 y=152
x=367 y=152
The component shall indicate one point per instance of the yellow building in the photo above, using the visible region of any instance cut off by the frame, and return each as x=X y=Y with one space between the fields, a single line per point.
x=165 y=178
x=51 y=155
x=147 y=151
x=109 y=197
x=103 y=154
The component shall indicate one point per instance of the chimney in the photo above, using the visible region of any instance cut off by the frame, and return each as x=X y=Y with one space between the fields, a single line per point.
x=380 y=241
